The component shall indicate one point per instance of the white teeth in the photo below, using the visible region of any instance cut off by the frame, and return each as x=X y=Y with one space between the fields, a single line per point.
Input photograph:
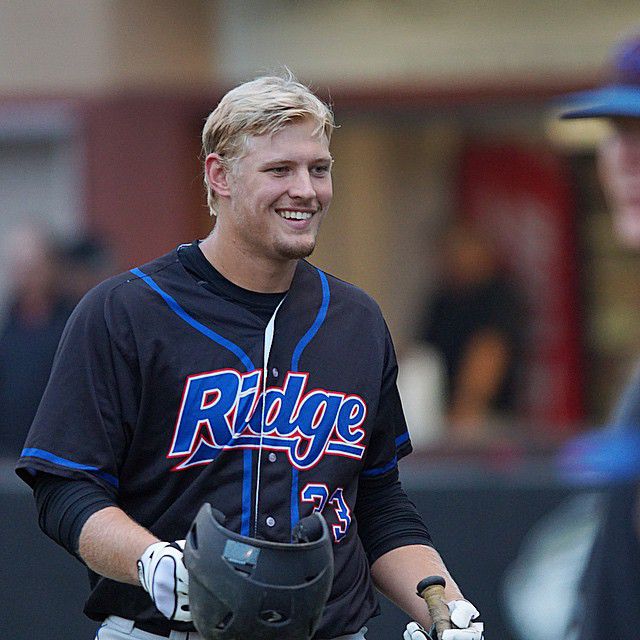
x=295 y=215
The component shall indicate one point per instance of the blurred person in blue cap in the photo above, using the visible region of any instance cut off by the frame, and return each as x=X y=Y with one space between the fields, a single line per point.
x=609 y=598
x=619 y=154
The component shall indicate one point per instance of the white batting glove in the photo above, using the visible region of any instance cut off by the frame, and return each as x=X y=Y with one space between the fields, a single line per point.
x=415 y=631
x=462 y=615
x=164 y=577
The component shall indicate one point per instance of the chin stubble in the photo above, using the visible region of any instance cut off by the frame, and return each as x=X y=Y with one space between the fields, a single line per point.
x=298 y=252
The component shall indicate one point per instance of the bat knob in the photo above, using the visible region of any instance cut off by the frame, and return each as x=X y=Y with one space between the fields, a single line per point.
x=430 y=581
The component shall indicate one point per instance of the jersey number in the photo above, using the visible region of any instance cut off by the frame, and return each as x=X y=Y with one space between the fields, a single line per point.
x=319 y=495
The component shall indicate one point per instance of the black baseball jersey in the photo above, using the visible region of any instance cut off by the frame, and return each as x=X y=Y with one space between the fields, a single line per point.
x=160 y=394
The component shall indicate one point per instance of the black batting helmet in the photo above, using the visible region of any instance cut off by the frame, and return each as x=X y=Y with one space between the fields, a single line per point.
x=241 y=587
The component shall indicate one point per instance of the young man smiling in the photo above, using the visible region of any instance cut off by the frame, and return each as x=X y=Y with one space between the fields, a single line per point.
x=271 y=203
x=232 y=371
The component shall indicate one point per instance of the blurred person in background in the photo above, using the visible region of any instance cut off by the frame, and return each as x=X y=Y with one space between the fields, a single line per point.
x=85 y=262
x=609 y=597
x=474 y=322
x=36 y=315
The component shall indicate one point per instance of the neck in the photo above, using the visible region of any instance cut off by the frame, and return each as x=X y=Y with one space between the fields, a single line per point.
x=246 y=270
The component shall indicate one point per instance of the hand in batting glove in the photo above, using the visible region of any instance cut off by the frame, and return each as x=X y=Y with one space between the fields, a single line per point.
x=164 y=577
x=462 y=614
x=415 y=631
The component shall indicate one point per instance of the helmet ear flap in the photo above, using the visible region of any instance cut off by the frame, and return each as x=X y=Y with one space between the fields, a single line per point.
x=244 y=587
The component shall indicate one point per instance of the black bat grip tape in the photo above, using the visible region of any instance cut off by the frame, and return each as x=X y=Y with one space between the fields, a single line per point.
x=429 y=582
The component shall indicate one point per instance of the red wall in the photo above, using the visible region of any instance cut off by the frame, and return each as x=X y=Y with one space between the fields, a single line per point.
x=143 y=181
x=523 y=197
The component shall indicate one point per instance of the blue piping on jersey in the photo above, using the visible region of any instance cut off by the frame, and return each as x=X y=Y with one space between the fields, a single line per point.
x=178 y=310
x=63 y=462
x=378 y=471
x=295 y=510
x=249 y=366
x=402 y=438
x=245 y=525
x=295 y=361
x=322 y=314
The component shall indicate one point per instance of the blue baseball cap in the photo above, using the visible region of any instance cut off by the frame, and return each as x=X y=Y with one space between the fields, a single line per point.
x=620 y=96
x=606 y=455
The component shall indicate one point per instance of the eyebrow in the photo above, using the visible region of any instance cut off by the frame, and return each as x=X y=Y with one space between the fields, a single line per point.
x=287 y=160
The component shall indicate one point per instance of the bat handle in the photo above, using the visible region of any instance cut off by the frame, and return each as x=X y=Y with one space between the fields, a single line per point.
x=431 y=590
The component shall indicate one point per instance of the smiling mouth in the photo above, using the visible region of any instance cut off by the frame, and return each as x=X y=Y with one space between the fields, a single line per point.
x=288 y=214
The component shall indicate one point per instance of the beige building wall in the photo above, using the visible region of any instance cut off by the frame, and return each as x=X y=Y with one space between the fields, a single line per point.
x=90 y=45
x=439 y=41
x=53 y=46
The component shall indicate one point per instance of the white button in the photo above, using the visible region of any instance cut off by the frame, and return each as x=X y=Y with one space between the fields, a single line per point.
x=270 y=521
x=272 y=457
x=274 y=372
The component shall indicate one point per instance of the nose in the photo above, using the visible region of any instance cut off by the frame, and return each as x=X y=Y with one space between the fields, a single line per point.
x=301 y=186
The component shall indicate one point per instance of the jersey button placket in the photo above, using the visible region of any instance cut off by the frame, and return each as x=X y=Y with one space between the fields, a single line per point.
x=270 y=521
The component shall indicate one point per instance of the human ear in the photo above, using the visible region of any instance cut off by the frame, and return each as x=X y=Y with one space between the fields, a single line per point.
x=217 y=174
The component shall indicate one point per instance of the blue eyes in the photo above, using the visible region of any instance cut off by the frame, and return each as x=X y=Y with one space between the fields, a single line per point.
x=318 y=171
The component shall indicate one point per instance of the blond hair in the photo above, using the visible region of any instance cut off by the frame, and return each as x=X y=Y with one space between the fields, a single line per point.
x=259 y=107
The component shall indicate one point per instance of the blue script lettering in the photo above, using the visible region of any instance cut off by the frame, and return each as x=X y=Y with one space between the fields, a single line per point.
x=223 y=409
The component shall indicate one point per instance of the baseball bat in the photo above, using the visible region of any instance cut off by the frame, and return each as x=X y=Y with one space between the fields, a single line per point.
x=431 y=590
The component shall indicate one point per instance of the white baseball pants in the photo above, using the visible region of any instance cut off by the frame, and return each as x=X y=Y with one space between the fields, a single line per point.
x=116 y=628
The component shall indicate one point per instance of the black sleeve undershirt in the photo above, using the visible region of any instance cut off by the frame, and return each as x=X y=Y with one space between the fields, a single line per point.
x=387 y=519
x=65 y=504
